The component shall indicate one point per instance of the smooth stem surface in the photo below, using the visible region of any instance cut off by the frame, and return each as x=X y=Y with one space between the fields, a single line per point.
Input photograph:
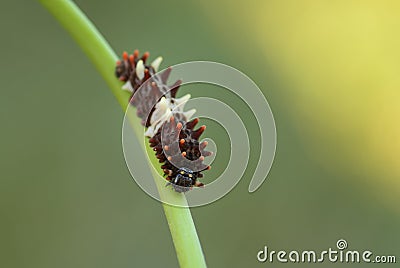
x=96 y=48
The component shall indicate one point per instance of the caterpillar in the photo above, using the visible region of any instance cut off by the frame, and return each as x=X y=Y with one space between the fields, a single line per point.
x=171 y=132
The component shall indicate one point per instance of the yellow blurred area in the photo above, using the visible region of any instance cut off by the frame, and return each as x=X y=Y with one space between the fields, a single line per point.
x=341 y=62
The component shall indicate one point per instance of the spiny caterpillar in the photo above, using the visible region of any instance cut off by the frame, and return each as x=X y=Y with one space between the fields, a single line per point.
x=171 y=134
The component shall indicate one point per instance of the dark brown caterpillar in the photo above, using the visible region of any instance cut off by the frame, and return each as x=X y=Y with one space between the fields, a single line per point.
x=172 y=134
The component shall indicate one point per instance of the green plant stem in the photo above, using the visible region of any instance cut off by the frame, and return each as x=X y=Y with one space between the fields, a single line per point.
x=96 y=48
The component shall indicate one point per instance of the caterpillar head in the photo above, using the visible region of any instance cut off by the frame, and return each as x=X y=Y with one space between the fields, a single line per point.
x=184 y=180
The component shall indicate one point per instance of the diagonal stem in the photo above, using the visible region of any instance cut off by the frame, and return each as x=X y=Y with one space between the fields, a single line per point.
x=96 y=48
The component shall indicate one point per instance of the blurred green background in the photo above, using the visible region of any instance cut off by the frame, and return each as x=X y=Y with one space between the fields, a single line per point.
x=329 y=69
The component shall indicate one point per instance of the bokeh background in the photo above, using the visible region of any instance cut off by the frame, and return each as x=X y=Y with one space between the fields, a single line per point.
x=329 y=69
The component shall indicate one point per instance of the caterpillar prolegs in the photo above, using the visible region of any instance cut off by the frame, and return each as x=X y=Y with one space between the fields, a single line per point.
x=172 y=134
